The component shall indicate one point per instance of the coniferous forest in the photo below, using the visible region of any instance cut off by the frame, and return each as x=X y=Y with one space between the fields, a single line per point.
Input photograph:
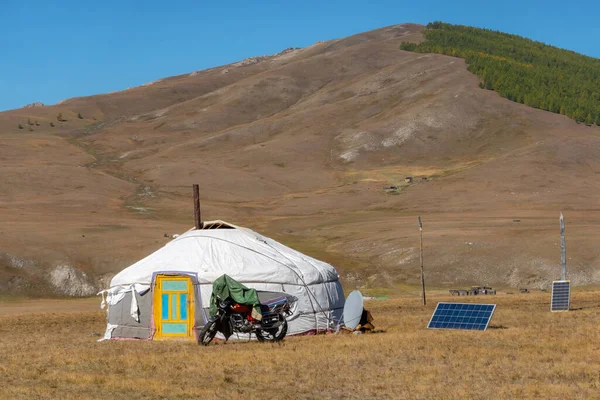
x=522 y=70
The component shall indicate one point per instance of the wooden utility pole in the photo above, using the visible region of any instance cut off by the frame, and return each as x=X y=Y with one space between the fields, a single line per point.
x=563 y=249
x=197 y=216
x=422 y=273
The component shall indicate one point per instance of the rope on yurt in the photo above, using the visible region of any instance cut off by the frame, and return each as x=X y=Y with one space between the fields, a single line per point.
x=279 y=262
x=305 y=285
x=301 y=279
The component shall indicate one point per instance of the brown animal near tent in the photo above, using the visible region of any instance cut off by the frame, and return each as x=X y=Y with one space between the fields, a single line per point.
x=365 y=324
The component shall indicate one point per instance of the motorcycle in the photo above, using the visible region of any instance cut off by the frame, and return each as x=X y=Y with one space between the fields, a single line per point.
x=232 y=317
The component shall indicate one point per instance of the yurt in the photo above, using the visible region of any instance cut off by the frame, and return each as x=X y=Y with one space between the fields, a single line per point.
x=166 y=295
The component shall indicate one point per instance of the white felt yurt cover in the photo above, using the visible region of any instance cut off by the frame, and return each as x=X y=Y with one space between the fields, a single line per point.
x=250 y=258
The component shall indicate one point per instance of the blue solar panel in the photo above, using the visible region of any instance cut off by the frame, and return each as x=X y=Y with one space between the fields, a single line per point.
x=561 y=296
x=461 y=316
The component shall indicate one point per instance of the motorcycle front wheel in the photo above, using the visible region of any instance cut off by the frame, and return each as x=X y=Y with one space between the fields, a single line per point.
x=272 y=335
x=207 y=333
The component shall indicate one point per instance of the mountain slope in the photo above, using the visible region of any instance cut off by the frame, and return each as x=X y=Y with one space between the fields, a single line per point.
x=303 y=146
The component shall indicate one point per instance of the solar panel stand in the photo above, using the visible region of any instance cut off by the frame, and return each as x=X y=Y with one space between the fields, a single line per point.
x=422 y=273
x=563 y=249
x=561 y=290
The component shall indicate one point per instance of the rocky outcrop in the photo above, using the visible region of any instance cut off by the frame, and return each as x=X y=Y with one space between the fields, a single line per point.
x=71 y=281
x=34 y=105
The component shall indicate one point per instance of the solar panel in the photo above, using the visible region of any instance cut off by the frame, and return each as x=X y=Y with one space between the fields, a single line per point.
x=561 y=296
x=462 y=316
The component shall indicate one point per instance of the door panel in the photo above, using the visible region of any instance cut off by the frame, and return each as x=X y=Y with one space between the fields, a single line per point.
x=165 y=307
x=174 y=285
x=174 y=329
x=183 y=314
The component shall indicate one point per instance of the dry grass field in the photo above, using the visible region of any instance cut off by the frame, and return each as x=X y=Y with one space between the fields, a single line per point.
x=527 y=352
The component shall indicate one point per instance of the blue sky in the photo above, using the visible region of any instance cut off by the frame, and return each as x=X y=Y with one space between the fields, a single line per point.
x=51 y=50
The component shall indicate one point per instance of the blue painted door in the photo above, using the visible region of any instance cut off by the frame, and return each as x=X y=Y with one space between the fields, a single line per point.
x=173 y=306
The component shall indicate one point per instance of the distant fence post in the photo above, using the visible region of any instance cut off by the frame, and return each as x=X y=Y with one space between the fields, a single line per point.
x=422 y=273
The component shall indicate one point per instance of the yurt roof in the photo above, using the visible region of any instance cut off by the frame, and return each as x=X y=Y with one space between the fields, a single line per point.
x=223 y=248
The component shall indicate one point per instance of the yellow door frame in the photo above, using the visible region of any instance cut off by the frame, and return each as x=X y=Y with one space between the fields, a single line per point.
x=170 y=285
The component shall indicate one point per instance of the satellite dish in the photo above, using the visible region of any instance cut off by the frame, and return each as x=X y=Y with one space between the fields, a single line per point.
x=353 y=309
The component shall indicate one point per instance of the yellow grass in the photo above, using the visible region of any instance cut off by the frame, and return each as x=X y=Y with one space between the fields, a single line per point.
x=528 y=352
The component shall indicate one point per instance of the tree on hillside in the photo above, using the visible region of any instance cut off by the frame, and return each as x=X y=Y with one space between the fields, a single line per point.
x=520 y=69
x=37 y=123
x=408 y=46
x=79 y=116
x=21 y=126
x=52 y=124
x=59 y=117
x=29 y=121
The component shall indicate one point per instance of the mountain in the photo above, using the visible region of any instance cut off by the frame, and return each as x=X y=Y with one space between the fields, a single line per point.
x=312 y=147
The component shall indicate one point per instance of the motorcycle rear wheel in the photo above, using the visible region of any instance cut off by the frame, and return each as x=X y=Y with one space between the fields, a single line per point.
x=273 y=335
x=207 y=333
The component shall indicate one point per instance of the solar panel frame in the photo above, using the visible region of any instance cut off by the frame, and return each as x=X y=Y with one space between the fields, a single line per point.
x=463 y=311
x=558 y=299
